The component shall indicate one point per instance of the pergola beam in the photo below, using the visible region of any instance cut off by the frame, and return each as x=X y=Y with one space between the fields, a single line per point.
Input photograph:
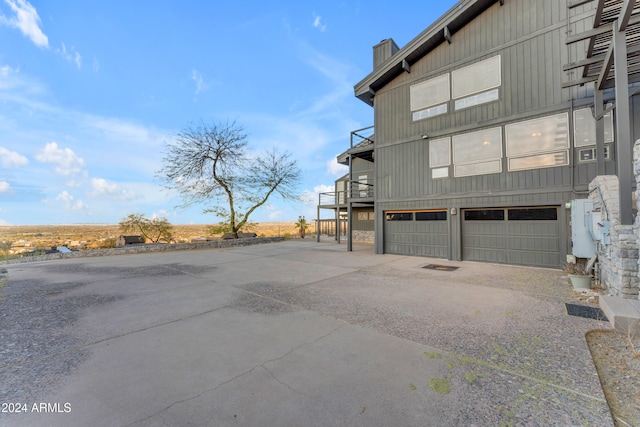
x=606 y=67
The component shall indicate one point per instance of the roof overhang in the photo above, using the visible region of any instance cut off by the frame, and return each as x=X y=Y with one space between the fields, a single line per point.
x=440 y=31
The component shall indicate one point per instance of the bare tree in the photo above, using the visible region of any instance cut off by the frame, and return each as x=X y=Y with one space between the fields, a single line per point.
x=155 y=230
x=209 y=163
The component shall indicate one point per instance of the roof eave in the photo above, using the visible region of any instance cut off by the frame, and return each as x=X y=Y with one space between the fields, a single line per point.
x=456 y=18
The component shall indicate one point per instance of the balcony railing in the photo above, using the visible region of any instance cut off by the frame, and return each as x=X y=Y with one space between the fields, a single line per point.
x=359 y=190
x=362 y=136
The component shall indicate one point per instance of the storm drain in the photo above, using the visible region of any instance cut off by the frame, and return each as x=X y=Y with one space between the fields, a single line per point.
x=440 y=267
x=585 y=311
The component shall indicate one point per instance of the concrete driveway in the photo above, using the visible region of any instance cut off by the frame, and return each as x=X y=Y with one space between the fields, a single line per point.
x=296 y=333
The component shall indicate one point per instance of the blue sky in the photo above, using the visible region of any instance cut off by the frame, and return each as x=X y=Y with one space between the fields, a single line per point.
x=90 y=93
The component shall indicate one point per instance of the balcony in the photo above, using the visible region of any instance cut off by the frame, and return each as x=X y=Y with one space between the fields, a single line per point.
x=358 y=192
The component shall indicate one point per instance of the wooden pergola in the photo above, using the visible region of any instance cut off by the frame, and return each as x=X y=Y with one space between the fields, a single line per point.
x=612 y=60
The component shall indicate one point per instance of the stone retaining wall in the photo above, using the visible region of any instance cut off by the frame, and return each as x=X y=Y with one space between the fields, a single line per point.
x=364 y=236
x=618 y=260
x=153 y=247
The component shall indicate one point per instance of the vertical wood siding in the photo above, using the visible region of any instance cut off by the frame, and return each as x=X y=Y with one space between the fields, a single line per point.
x=530 y=37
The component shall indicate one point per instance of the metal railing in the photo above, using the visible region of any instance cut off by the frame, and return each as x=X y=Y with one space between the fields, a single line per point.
x=358 y=190
x=362 y=136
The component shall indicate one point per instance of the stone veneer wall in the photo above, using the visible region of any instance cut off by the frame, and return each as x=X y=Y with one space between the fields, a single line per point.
x=144 y=248
x=364 y=236
x=618 y=260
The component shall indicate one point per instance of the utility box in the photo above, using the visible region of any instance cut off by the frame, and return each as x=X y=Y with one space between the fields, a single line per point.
x=582 y=242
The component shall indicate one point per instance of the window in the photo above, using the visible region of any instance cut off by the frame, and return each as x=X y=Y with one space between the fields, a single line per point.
x=484 y=215
x=477 y=83
x=477 y=153
x=538 y=143
x=400 y=216
x=431 y=216
x=584 y=127
x=537 y=214
x=429 y=98
x=440 y=157
x=363 y=187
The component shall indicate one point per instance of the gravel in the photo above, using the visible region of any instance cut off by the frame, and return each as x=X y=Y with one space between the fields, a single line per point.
x=38 y=349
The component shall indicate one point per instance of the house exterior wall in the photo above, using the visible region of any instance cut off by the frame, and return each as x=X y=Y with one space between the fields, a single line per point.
x=529 y=36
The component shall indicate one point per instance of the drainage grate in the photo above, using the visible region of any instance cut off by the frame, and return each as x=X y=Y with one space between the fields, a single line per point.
x=585 y=311
x=440 y=267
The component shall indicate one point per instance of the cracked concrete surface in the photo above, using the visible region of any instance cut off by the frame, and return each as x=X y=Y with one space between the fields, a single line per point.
x=299 y=333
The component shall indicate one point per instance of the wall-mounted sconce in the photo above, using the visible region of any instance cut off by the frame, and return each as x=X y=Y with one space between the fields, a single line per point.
x=425 y=136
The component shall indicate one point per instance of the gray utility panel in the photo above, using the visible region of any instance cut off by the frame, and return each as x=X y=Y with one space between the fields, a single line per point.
x=523 y=236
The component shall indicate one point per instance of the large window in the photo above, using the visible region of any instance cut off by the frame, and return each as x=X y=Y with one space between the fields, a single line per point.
x=584 y=127
x=477 y=153
x=472 y=85
x=429 y=98
x=477 y=83
x=538 y=143
x=440 y=157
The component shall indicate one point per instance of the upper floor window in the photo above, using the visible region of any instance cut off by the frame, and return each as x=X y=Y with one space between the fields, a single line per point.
x=472 y=85
x=477 y=83
x=430 y=98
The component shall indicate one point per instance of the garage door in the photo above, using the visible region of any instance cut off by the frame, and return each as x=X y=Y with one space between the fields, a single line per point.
x=419 y=233
x=523 y=236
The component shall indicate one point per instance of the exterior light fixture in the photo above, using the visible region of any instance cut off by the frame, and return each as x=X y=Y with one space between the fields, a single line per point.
x=425 y=136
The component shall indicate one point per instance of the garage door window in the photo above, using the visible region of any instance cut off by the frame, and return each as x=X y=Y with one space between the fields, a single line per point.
x=538 y=214
x=400 y=216
x=484 y=215
x=431 y=216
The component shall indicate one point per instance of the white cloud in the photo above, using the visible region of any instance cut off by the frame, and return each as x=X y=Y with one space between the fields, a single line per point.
x=317 y=23
x=14 y=86
x=274 y=213
x=336 y=169
x=70 y=203
x=323 y=188
x=201 y=86
x=11 y=159
x=4 y=187
x=26 y=19
x=162 y=213
x=103 y=188
x=310 y=198
x=66 y=162
x=73 y=56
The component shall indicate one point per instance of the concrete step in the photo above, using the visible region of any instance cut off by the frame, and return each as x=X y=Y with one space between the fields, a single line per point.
x=623 y=314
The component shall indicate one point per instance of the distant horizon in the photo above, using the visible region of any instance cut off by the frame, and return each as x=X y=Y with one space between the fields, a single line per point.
x=172 y=223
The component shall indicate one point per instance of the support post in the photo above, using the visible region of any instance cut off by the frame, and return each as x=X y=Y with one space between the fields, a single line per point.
x=349 y=205
x=318 y=220
x=623 y=124
x=598 y=105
